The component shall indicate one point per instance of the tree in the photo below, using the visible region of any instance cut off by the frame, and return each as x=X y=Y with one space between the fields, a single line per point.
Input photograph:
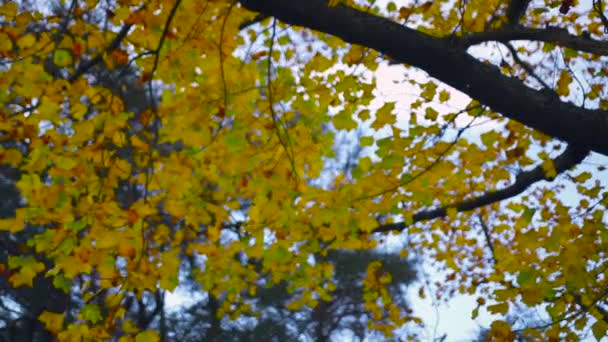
x=224 y=163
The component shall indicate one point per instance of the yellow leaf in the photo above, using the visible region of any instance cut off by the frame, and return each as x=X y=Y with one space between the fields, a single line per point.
x=500 y=331
x=429 y=91
x=78 y=110
x=5 y=42
x=53 y=322
x=500 y=308
x=147 y=336
x=27 y=41
x=129 y=327
x=318 y=63
x=65 y=163
x=169 y=270
x=431 y=114
x=9 y=9
x=563 y=84
x=344 y=120
x=121 y=13
x=404 y=12
x=29 y=267
x=10 y=156
x=452 y=213
x=549 y=167
x=384 y=116
x=364 y=114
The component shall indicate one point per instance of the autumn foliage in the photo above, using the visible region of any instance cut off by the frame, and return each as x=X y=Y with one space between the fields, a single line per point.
x=227 y=161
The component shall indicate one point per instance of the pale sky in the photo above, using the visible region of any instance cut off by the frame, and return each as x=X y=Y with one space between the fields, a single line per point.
x=452 y=318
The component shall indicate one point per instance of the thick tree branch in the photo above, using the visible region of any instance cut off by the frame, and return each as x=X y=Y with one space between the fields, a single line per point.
x=570 y=157
x=559 y=36
x=450 y=64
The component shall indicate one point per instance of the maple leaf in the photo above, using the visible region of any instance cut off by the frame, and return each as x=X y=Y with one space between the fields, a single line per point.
x=53 y=322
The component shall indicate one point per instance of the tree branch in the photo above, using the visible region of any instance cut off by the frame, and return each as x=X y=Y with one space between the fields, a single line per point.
x=526 y=67
x=84 y=67
x=559 y=36
x=488 y=236
x=450 y=64
x=258 y=18
x=570 y=157
x=516 y=10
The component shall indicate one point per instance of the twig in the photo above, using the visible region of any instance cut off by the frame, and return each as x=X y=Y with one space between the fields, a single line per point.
x=82 y=68
x=486 y=233
x=572 y=156
x=525 y=65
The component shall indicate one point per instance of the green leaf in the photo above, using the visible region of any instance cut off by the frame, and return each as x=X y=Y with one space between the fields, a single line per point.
x=344 y=120
x=91 y=313
x=384 y=116
x=475 y=313
x=65 y=163
x=583 y=177
x=284 y=40
x=277 y=254
x=406 y=178
x=599 y=329
x=62 y=283
x=366 y=141
x=489 y=138
x=365 y=164
x=147 y=336
x=234 y=141
x=62 y=58
x=76 y=225
x=528 y=215
x=526 y=277
x=547 y=47
x=570 y=53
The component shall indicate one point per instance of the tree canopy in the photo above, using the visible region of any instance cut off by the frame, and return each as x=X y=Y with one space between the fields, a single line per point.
x=151 y=142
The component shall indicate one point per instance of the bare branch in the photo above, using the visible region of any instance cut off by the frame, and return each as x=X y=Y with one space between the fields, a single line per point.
x=559 y=36
x=526 y=67
x=486 y=234
x=569 y=158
